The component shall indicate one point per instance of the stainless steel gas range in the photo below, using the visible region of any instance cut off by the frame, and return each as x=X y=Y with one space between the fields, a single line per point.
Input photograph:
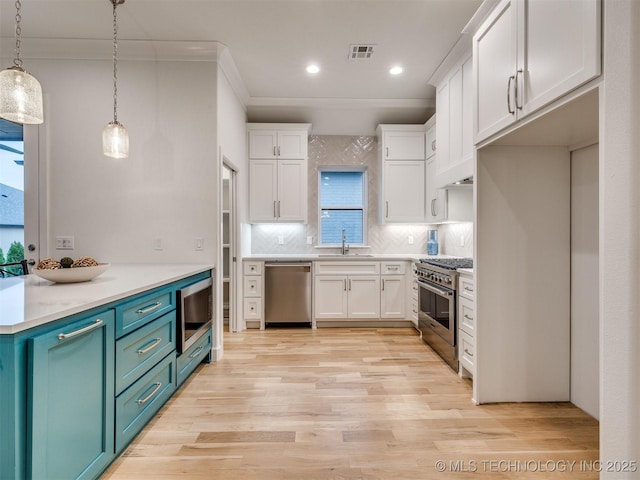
x=437 y=311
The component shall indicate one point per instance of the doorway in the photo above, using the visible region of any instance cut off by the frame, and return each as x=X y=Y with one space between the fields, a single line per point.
x=19 y=193
x=229 y=245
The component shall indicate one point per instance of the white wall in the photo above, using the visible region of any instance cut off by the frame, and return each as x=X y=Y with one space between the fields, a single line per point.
x=585 y=383
x=232 y=139
x=522 y=274
x=165 y=189
x=620 y=238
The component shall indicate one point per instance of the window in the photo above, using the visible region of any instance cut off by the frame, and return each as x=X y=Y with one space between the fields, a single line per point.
x=342 y=206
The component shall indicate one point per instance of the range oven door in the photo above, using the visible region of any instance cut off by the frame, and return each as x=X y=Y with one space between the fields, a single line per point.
x=436 y=311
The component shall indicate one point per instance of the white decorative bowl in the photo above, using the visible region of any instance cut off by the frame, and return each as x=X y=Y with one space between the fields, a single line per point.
x=72 y=275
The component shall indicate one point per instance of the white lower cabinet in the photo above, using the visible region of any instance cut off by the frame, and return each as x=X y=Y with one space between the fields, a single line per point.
x=346 y=290
x=466 y=325
x=252 y=293
x=330 y=296
x=413 y=302
x=393 y=291
x=392 y=296
x=347 y=296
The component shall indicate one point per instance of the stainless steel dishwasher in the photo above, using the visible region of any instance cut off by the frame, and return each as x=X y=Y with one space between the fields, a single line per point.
x=287 y=288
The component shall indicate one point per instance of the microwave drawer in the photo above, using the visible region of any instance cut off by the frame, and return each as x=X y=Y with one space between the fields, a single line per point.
x=143 y=309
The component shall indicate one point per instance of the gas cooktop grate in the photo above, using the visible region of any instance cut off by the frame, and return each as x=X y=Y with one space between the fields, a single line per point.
x=449 y=263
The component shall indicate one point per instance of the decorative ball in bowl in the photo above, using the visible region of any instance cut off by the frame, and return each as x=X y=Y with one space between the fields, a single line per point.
x=82 y=269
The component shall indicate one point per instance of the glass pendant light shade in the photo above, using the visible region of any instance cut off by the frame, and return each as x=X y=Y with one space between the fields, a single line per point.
x=115 y=140
x=20 y=93
x=20 y=96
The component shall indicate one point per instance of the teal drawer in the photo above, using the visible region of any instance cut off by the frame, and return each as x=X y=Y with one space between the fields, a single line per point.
x=189 y=360
x=139 y=351
x=140 y=402
x=142 y=309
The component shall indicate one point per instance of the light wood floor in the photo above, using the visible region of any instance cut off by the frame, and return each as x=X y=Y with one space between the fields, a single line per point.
x=350 y=404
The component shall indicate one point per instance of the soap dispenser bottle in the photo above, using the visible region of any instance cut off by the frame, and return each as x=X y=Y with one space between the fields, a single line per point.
x=432 y=242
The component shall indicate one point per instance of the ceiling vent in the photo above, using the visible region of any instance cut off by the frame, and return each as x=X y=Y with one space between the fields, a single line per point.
x=357 y=52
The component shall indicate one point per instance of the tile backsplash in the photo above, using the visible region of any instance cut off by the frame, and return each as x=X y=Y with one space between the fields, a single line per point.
x=336 y=150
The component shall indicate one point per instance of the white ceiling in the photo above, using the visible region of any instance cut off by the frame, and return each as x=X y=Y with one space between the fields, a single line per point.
x=271 y=41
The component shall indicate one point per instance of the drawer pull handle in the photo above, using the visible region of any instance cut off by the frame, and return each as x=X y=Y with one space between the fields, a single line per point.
x=149 y=309
x=468 y=352
x=197 y=352
x=468 y=317
x=142 y=351
x=467 y=289
x=97 y=324
x=142 y=401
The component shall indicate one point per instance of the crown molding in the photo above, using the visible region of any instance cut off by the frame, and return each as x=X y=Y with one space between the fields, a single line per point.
x=92 y=49
x=230 y=71
x=343 y=103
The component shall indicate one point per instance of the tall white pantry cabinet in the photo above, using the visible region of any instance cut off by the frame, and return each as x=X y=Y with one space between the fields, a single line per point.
x=278 y=172
x=401 y=163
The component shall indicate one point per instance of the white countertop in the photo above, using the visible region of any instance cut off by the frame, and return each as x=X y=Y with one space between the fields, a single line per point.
x=410 y=257
x=29 y=301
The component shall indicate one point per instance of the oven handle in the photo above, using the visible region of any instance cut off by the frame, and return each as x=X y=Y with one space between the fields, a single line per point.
x=439 y=291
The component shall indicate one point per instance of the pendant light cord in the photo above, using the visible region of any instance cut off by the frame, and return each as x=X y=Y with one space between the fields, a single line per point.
x=17 y=61
x=115 y=62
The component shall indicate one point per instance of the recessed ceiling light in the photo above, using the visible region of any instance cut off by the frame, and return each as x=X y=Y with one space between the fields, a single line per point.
x=313 y=68
x=395 y=70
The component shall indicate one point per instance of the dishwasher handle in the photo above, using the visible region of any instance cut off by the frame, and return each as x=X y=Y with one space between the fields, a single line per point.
x=305 y=265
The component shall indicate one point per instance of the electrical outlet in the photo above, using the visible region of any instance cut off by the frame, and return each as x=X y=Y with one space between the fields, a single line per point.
x=157 y=243
x=309 y=240
x=410 y=239
x=462 y=240
x=65 y=243
x=280 y=239
x=199 y=244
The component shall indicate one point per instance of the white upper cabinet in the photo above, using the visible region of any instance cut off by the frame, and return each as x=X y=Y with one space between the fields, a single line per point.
x=270 y=144
x=401 y=163
x=529 y=53
x=404 y=191
x=263 y=144
x=403 y=145
x=431 y=138
x=436 y=208
x=263 y=193
x=292 y=190
x=454 y=114
x=278 y=172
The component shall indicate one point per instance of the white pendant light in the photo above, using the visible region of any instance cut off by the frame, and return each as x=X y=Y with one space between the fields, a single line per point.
x=20 y=93
x=115 y=139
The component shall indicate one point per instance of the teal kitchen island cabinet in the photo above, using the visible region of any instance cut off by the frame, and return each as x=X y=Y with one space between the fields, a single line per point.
x=70 y=399
x=80 y=374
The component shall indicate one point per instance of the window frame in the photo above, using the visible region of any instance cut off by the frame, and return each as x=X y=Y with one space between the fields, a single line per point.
x=365 y=202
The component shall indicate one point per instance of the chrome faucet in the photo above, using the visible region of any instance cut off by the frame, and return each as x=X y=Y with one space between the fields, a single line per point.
x=345 y=246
